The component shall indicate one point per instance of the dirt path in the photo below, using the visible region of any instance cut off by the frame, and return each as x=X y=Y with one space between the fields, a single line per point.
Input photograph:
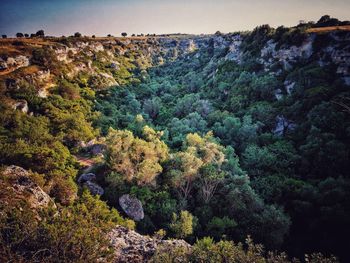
x=86 y=162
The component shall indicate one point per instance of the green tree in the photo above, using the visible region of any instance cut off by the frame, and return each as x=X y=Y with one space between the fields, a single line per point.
x=182 y=226
x=136 y=159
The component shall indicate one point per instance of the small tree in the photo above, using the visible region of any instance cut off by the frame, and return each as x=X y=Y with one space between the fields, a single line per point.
x=32 y=35
x=4 y=36
x=209 y=180
x=26 y=35
x=93 y=36
x=77 y=34
x=19 y=34
x=109 y=35
x=124 y=34
x=182 y=226
x=40 y=33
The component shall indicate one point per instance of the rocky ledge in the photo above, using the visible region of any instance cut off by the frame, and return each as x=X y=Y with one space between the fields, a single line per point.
x=132 y=247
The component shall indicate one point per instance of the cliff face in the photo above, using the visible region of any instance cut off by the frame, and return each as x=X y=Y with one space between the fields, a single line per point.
x=104 y=59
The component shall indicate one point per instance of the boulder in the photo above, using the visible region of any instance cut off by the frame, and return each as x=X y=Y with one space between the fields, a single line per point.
x=86 y=177
x=21 y=105
x=132 y=207
x=94 y=188
x=23 y=187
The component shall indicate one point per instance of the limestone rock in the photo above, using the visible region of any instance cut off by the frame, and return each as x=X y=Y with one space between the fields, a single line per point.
x=283 y=125
x=94 y=188
x=21 y=105
x=132 y=207
x=86 y=177
x=132 y=247
x=24 y=187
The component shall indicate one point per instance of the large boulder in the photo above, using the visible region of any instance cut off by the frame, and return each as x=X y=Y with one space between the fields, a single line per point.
x=132 y=207
x=88 y=180
x=23 y=187
x=86 y=177
x=130 y=246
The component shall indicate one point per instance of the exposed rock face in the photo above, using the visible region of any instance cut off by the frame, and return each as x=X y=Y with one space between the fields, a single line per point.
x=17 y=62
x=286 y=55
x=283 y=125
x=3 y=64
x=25 y=187
x=132 y=207
x=21 y=105
x=289 y=86
x=234 y=53
x=132 y=247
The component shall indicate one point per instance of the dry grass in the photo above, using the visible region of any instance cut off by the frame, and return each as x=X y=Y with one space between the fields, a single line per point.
x=328 y=29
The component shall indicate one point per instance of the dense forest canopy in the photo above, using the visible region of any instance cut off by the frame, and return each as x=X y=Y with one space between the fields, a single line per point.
x=220 y=137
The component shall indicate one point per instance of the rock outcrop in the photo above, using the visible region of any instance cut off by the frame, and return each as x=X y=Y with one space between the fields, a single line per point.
x=283 y=125
x=94 y=188
x=132 y=247
x=132 y=207
x=21 y=105
x=88 y=180
x=23 y=187
x=14 y=62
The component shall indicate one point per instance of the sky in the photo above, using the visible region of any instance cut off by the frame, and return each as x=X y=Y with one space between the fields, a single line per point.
x=102 y=17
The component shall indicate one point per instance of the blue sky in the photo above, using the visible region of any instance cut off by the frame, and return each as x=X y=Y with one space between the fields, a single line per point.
x=102 y=17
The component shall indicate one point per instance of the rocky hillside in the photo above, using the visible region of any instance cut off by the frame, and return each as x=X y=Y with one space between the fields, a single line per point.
x=109 y=62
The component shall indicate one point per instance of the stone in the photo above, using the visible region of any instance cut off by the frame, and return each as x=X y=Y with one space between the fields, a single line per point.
x=283 y=125
x=94 y=188
x=132 y=207
x=289 y=86
x=3 y=64
x=86 y=177
x=278 y=94
x=24 y=187
x=21 y=105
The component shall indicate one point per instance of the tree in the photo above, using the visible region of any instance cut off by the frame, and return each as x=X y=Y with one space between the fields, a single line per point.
x=19 y=35
x=136 y=159
x=185 y=165
x=209 y=180
x=152 y=107
x=77 y=34
x=93 y=36
x=4 y=36
x=184 y=171
x=182 y=226
x=40 y=33
x=124 y=34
